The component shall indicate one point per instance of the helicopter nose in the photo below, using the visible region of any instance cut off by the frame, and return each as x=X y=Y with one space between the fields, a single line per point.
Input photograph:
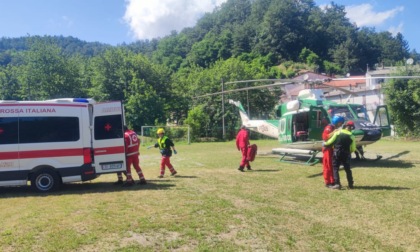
x=372 y=135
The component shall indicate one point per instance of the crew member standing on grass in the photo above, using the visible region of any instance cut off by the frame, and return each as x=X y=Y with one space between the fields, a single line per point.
x=165 y=144
x=344 y=144
x=327 y=151
x=242 y=143
x=132 y=144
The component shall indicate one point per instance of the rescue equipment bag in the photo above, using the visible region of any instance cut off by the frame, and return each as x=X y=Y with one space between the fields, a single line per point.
x=252 y=152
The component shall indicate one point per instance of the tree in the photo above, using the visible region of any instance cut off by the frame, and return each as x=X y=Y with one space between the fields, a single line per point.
x=47 y=73
x=403 y=100
x=393 y=49
x=309 y=57
x=198 y=121
x=198 y=81
x=9 y=83
x=283 y=28
x=119 y=74
x=345 y=55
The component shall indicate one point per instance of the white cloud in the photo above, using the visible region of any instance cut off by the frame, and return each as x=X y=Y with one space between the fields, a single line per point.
x=67 y=21
x=151 y=18
x=61 y=22
x=364 y=15
x=399 y=29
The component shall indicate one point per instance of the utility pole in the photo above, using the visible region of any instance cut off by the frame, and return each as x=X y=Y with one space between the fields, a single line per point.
x=223 y=110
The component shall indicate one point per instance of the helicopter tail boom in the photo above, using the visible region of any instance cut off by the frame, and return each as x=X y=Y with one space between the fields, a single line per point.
x=265 y=127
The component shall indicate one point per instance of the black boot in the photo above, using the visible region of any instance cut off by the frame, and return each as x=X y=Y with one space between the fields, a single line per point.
x=248 y=167
x=241 y=168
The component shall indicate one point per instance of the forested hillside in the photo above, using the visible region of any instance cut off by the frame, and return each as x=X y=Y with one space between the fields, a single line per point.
x=159 y=79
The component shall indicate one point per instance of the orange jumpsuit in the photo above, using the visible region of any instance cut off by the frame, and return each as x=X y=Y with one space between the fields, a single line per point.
x=327 y=158
x=242 y=142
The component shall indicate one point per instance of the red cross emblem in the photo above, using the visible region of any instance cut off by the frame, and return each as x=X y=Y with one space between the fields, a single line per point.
x=108 y=127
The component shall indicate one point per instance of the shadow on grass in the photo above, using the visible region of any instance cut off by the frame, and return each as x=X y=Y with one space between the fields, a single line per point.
x=382 y=163
x=181 y=176
x=387 y=188
x=263 y=170
x=315 y=175
x=82 y=188
x=397 y=155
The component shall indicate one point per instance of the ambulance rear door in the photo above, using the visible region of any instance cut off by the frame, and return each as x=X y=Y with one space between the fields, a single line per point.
x=108 y=137
x=9 y=146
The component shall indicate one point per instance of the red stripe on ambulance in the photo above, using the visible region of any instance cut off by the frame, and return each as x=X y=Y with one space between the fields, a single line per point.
x=109 y=150
x=51 y=153
x=59 y=153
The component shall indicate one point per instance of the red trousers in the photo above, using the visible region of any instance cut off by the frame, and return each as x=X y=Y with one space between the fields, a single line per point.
x=327 y=166
x=166 y=161
x=244 y=161
x=133 y=160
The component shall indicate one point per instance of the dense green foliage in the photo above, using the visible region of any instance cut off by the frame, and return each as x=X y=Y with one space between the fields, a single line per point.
x=159 y=80
x=403 y=99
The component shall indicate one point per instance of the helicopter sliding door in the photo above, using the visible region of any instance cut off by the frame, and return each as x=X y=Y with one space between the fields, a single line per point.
x=382 y=120
x=300 y=126
x=318 y=119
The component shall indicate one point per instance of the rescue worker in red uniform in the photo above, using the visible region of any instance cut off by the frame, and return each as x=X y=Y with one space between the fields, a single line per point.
x=327 y=151
x=344 y=144
x=132 y=144
x=165 y=144
x=242 y=143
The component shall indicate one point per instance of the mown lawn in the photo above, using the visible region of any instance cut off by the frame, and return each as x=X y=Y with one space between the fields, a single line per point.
x=211 y=206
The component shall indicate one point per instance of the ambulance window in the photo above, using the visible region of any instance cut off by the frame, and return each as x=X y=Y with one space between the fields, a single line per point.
x=48 y=129
x=8 y=130
x=108 y=127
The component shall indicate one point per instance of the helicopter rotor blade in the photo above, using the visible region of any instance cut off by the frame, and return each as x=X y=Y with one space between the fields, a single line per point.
x=261 y=80
x=339 y=88
x=378 y=77
x=246 y=88
x=319 y=82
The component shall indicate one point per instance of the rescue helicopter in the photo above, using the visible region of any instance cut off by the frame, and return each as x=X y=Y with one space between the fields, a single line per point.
x=300 y=122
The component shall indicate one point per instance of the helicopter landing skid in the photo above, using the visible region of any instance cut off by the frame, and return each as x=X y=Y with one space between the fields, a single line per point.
x=287 y=153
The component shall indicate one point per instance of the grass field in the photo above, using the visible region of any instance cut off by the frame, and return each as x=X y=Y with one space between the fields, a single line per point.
x=211 y=206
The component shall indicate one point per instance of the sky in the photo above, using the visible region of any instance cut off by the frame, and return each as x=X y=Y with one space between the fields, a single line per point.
x=125 y=21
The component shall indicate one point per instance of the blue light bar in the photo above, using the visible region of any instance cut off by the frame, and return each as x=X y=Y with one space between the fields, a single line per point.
x=81 y=100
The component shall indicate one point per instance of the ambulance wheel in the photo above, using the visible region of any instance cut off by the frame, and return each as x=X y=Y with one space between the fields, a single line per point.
x=45 y=180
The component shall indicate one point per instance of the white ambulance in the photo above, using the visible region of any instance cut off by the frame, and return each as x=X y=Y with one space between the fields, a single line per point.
x=58 y=141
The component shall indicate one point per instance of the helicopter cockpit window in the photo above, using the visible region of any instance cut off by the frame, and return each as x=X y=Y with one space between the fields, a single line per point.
x=343 y=111
x=360 y=111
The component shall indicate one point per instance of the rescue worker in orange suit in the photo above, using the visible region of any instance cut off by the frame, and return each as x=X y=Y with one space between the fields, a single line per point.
x=132 y=144
x=327 y=151
x=165 y=144
x=344 y=144
x=242 y=143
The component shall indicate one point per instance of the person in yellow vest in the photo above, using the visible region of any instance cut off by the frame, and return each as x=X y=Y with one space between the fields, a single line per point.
x=344 y=144
x=166 y=146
